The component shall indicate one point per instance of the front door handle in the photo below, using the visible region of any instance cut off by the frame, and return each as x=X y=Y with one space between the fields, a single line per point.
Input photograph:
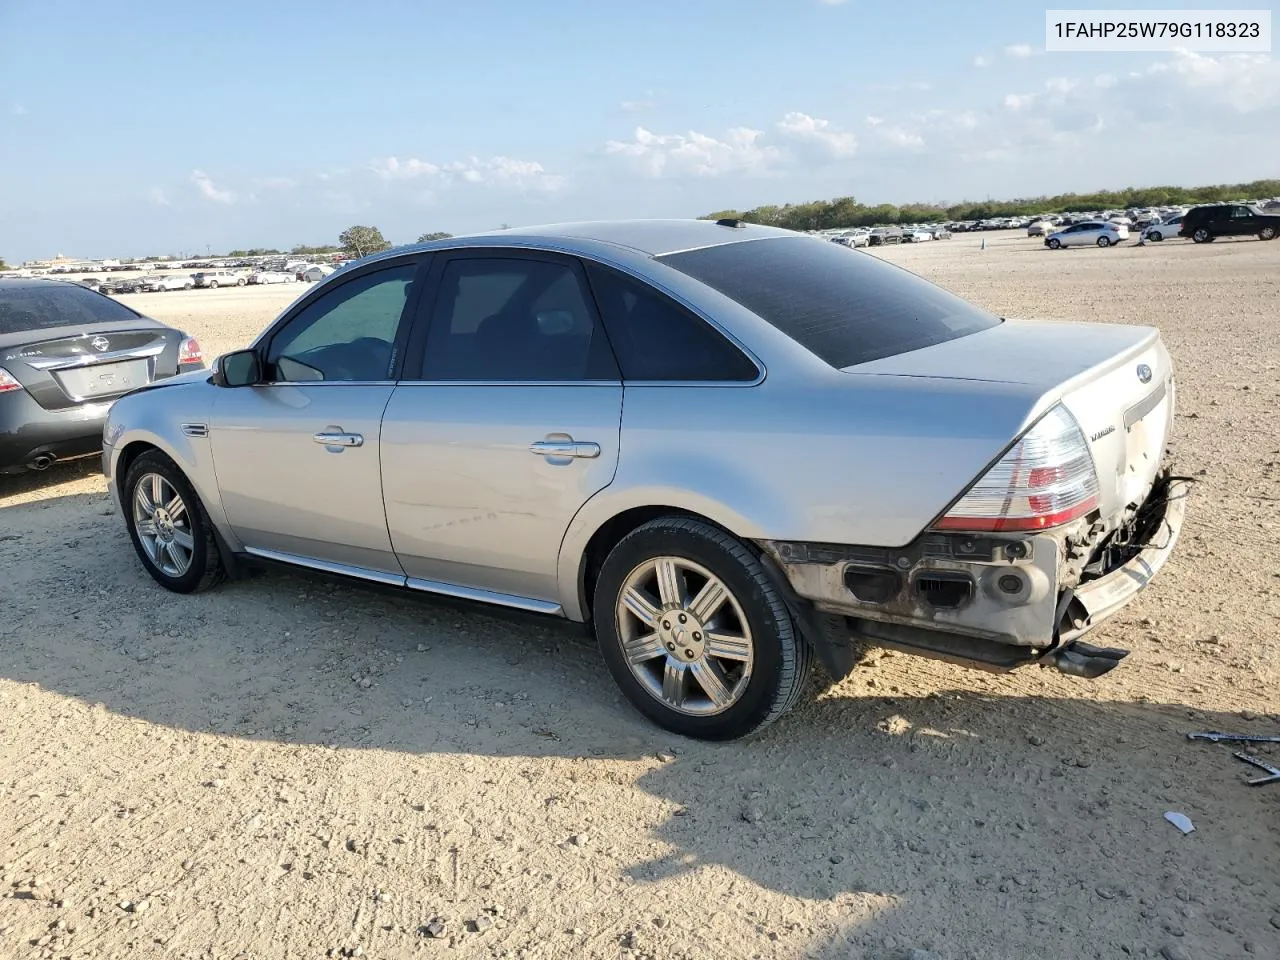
x=339 y=439
x=565 y=448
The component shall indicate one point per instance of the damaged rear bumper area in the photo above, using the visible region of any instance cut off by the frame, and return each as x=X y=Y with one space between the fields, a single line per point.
x=993 y=601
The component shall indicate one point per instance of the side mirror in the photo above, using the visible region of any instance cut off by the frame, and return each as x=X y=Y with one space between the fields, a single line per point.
x=239 y=369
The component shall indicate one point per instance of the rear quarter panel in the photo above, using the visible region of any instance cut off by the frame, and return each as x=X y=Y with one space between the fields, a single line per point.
x=842 y=458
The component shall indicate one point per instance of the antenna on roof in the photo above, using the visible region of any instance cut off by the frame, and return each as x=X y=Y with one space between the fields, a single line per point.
x=732 y=223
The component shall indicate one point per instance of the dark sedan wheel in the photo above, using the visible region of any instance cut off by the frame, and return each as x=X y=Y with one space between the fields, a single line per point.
x=695 y=633
x=1202 y=235
x=1267 y=233
x=169 y=527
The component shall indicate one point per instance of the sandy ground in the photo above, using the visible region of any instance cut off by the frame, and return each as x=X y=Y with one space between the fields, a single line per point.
x=282 y=768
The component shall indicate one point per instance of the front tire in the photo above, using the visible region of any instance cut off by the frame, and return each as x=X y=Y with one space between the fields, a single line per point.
x=169 y=527
x=695 y=633
x=240 y=283
x=1054 y=243
x=1104 y=242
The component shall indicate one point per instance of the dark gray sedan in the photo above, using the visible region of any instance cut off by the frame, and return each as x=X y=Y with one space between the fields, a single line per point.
x=67 y=352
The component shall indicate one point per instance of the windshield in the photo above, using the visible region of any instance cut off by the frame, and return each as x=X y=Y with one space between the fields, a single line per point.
x=41 y=306
x=844 y=309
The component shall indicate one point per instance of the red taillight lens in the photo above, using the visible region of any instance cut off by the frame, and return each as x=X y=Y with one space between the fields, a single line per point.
x=8 y=383
x=1046 y=480
x=190 y=351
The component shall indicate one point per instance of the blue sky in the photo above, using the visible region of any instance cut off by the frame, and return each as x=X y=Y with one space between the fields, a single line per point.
x=169 y=127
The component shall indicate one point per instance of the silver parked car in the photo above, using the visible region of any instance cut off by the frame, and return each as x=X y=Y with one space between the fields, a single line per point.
x=729 y=449
x=1089 y=233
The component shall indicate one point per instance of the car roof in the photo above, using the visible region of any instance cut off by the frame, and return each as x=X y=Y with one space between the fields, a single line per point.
x=653 y=238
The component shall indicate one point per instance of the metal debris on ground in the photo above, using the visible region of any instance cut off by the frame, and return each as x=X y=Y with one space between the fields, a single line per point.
x=1257 y=762
x=1216 y=737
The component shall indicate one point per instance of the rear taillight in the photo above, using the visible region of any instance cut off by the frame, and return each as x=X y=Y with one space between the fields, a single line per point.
x=1046 y=479
x=7 y=382
x=190 y=352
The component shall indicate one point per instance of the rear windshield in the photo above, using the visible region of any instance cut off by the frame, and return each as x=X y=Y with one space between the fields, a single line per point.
x=39 y=306
x=844 y=306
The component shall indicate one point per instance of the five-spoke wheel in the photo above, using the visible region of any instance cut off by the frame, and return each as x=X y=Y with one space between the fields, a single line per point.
x=168 y=525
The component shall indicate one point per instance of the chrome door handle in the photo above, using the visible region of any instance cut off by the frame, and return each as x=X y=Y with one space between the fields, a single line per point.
x=565 y=448
x=339 y=439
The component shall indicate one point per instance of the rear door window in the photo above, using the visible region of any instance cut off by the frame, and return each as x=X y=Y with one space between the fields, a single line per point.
x=846 y=309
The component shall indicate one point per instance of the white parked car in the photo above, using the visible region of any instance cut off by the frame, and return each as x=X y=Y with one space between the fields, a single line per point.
x=1168 y=230
x=272 y=276
x=1041 y=228
x=916 y=235
x=166 y=281
x=316 y=272
x=1093 y=232
x=213 y=279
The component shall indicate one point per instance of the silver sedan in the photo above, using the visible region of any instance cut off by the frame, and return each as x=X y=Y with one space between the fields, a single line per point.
x=731 y=450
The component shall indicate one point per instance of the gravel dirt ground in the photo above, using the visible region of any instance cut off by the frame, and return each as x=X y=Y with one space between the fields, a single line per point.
x=287 y=768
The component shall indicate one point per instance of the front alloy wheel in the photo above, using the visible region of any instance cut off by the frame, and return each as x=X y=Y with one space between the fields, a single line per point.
x=1201 y=235
x=1267 y=233
x=167 y=523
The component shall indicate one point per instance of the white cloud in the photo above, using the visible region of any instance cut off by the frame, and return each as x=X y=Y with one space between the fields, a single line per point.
x=495 y=171
x=158 y=197
x=801 y=126
x=1245 y=83
x=1016 y=102
x=1061 y=85
x=636 y=106
x=1019 y=51
x=874 y=121
x=208 y=190
x=1104 y=80
x=657 y=155
x=980 y=61
x=901 y=137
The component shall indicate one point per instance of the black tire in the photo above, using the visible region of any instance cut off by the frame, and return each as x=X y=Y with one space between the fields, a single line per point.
x=782 y=659
x=1053 y=243
x=206 y=568
x=1267 y=233
x=213 y=284
x=1155 y=235
x=240 y=282
x=187 y=286
x=1202 y=235
x=1104 y=242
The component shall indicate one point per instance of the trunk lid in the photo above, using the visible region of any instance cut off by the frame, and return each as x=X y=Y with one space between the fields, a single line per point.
x=63 y=367
x=1116 y=380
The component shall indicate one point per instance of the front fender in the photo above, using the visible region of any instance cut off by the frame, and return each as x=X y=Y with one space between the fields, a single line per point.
x=162 y=418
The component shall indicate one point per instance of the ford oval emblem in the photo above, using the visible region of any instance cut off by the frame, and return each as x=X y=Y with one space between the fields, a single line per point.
x=1144 y=373
x=100 y=344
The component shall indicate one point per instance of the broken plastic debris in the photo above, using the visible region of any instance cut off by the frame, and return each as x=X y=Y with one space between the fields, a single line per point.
x=1180 y=820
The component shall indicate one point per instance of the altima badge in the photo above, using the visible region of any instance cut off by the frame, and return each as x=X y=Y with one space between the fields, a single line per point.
x=101 y=343
x=1144 y=373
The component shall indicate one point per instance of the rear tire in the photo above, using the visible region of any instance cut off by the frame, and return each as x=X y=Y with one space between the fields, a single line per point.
x=213 y=284
x=717 y=669
x=240 y=283
x=173 y=538
x=1155 y=235
x=1202 y=235
x=1267 y=233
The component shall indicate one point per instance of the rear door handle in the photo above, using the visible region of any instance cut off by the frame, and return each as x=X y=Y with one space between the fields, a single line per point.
x=565 y=448
x=339 y=439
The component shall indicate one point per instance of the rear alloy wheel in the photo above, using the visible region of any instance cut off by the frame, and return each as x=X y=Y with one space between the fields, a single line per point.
x=169 y=527
x=1054 y=243
x=1201 y=235
x=240 y=282
x=694 y=631
x=213 y=284
x=1104 y=242
x=1267 y=233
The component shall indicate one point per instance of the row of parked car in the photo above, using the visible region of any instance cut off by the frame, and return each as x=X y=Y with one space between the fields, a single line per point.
x=878 y=236
x=1202 y=224
x=206 y=280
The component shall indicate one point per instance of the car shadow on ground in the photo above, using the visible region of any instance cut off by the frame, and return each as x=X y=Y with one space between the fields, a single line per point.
x=32 y=481
x=1016 y=812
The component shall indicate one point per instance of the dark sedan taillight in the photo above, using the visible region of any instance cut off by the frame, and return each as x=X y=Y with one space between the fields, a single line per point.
x=7 y=382
x=190 y=351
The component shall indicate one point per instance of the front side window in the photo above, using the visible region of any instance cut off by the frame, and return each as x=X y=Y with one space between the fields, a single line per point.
x=347 y=334
x=1241 y=213
x=845 y=309
x=514 y=320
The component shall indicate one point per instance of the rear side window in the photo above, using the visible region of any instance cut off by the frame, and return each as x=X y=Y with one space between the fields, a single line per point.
x=657 y=339
x=40 y=306
x=846 y=308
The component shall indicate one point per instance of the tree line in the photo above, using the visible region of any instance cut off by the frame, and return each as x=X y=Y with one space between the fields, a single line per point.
x=844 y=212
